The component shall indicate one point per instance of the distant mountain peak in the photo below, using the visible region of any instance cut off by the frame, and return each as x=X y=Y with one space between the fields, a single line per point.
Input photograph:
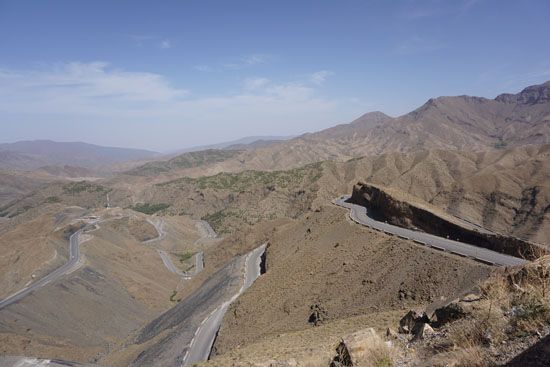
x=373 y=117
x=531 y=95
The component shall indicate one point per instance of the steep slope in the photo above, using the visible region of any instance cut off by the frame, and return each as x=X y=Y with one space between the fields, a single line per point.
x=323 y=268
x=505 y=190
x=121 y=285
x=184 y=161
x=463 y=122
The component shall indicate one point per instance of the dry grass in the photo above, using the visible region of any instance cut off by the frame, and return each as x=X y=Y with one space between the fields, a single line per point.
x=514 y=304
x=530 y=297
x=467 y=357
x=379 y=354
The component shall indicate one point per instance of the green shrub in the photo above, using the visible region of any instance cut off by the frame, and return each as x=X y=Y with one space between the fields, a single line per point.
x=52 y=199
x=148 y=208
x=186 y=256
x=82 y=186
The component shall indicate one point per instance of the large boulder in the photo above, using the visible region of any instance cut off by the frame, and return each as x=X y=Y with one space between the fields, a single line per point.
x=422 y=331
x=451 y=312
x=412 y=321
x=363 y=348
x=318 y=315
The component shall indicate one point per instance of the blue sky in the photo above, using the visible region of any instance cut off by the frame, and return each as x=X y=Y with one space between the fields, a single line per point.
x=173 y=74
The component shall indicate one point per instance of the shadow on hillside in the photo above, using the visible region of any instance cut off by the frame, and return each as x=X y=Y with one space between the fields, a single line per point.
x=536 y=356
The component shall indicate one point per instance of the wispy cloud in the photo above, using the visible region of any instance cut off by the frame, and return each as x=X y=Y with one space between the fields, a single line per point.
x=416 y=45
x=243 y=62
x=82 y=87
x=320 y=77
x=140 y=39
x=165 y=44
x=246 y=61
x=467 y=4
x=418 y=10
x=143 y=40
x=204 y=68
x=255 y=83
x=97 y=92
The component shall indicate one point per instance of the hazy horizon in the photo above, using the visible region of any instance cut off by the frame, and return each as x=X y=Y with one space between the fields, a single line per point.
x=132 y=74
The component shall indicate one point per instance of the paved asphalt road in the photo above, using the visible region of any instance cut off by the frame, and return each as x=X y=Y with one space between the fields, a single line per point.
x=13 y=361
x=360 y=215
x=69 y=266
x=167 y=260
x=159 y=226
x=206 y=229
x=201 y=344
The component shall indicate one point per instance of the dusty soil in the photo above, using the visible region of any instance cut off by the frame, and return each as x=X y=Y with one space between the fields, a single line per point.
x=122 y=285
x=347 y=270
x=33 y=246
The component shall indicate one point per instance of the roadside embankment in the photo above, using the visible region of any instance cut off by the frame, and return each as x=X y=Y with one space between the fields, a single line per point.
x=387 y=207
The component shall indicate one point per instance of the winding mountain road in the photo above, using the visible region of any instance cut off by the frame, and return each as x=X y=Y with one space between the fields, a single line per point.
x=167 y=260
x=169 y=264
x=360 y=214
x=71 y=265
x=201 y=344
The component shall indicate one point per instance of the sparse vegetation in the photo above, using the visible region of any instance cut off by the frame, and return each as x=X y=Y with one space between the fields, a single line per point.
x=172 y=299
x=217 y=219
x=185 y=256
x=148 y=208
x=52 y=199
x=354 y=159
x=186 y=160
x=515 y=305
x=189 y=268
x=83 y=186
x=242 y=181
x=18 y=211
x=4 y=211
x=501 y=144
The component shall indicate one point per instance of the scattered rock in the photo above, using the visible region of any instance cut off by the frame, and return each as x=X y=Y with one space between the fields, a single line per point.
x=406 y=294
x=318 y=315
x=470 y=298
x=390 y=333
x=357 y=347
x=424 y=330
x=412 y=321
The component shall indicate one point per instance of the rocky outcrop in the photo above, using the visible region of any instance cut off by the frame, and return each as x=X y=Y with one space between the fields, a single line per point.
x=360 y=348
x=413 y=322
x=318 y=315
x=383 y=206
x=531 y=95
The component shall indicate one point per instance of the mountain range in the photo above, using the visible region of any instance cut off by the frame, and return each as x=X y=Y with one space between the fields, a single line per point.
x=455 y=123
x=29 y=155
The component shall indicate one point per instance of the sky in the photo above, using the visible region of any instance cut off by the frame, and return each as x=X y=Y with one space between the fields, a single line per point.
x=175 y=74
